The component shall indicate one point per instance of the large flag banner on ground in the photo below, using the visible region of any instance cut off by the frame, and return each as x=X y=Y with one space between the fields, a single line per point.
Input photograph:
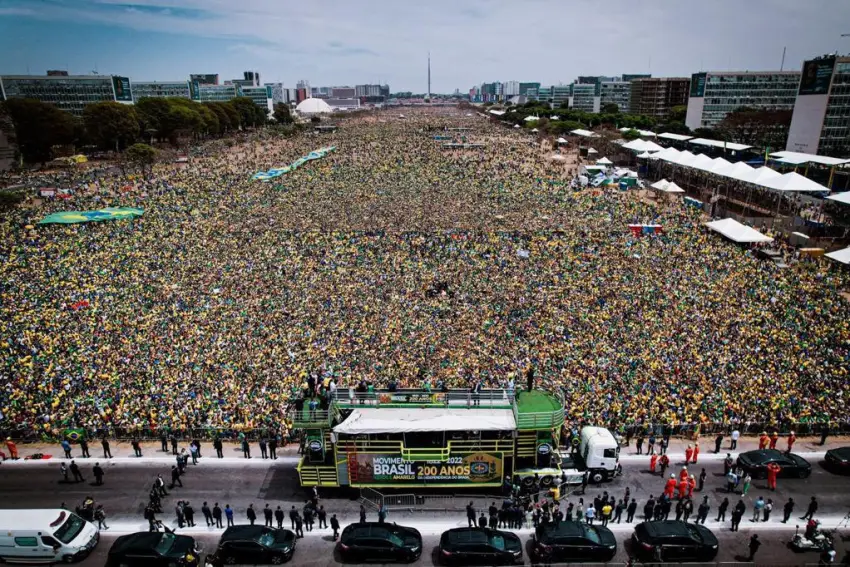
x=272 y=173
x=109 y=213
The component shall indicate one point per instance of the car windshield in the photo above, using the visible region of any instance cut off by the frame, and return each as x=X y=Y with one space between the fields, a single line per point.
x=498 y=542
x=266 y=539
x=70 y=529
x=694 y=533
x=395 y=539
x=591 y=534
x=166 y=542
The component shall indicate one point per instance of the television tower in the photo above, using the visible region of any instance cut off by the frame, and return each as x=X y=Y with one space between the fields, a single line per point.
x=429 y=76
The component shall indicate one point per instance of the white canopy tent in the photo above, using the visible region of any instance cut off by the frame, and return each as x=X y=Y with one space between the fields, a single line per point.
x=676 y=137
x=407 y=420
x=497 y=112
x=665 y=154
x=793 y=181
x=604 y=161
x=532 y=118
x=642 y=146
x=673 y=188
x=562 y=141
x=719 y=166
x=842 y=256
x=799 y=158
x=584 y=133
x=535 y=130
x=737 y=232
x=738 y=170
x=843 y=198
x=761 y=175
x=661 y=184
x=702 y=162
x=719 y=144
x=645 y=155
x=592 y=151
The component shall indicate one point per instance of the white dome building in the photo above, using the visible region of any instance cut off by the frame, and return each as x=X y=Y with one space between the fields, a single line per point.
x=313 y=106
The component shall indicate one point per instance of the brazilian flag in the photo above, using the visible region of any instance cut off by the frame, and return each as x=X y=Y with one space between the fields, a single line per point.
x=74 y=435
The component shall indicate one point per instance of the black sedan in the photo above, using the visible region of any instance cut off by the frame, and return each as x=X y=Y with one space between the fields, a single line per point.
x=838 y=460
x=479 y=546
x=571 y=542
x=382 y=543
x=255 y=545
x=151 y=549
x=790 y=465
x=672 y=541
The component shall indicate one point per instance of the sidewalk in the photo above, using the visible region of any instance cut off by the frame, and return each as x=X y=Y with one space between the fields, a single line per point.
x=152 y=451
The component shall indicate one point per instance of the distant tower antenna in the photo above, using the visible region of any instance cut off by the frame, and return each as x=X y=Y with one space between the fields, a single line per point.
x=429 y=76
x=782 y=65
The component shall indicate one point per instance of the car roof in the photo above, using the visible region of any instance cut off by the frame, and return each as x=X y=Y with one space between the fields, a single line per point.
x=243 y=532
x=843 y=452
x=563 y=529
x=761 y=455
x=665 y=528
x=376 y=528
x=140 y=541
x=470 y=535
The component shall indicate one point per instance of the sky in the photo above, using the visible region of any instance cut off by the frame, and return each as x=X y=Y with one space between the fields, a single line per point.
x=348 y=42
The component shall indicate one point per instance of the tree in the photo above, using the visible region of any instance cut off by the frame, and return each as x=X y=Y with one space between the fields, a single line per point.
x=678 y=113
x=250 y=114
x=631 y=134
x=111 y=124
x=282 y=114
x=610 y=108
x=141 y=155
x=38 y=127
x=674 y=128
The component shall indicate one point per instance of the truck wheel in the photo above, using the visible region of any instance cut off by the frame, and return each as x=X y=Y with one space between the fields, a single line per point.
x=547 y=480
x=597 y=477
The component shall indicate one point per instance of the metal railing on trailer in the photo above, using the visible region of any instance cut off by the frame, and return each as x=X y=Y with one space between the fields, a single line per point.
x=349 y=397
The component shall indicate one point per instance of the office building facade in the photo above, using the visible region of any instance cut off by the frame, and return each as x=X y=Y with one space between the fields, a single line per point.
x=616 y=92
x=157 y=89
x=657 y=96
x=713 y=95
x=821 y=120
x=71 y=93
x=204 y=78
x=277 y=92
x=261 y=96
x=585 y=97
x=214 y=93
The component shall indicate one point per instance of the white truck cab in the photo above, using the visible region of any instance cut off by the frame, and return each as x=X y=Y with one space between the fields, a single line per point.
x=597 y=455
x=45 y=536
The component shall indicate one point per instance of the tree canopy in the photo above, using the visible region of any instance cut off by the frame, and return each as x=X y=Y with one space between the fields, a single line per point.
x=40 y=126
x=282 y=114
x=111 y=125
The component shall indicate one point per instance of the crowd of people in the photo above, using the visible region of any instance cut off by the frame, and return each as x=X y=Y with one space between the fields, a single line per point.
x=396 y=259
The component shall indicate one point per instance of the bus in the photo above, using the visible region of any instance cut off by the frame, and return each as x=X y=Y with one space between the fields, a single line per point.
x=407 y=438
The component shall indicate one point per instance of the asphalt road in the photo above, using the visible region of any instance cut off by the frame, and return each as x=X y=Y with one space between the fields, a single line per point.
x=125 y=492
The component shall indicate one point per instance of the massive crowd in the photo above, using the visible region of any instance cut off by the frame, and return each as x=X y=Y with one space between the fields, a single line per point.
x=395 y=258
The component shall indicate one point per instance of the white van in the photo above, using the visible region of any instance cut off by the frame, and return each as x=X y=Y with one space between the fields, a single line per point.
x=45 y=536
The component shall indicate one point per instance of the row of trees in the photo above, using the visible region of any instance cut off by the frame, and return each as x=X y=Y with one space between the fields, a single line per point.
x=39 y=127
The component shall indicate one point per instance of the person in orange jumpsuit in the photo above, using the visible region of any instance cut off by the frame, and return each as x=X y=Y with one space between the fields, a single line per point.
x=696 y=452
x=774 y=437
x=692 y=484
x=653 y=460
x=764 y=440
x=791 y=438
x=772 y=472
x=689 y=452
x=683 y=474
x=670 y=487
x=683 y=488
x=13 y=449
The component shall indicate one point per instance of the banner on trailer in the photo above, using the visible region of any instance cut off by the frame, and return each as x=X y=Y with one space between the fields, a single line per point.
x=382 y=469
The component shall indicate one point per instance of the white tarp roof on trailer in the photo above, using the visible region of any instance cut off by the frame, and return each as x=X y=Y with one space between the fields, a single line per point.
x=408 y=420
x=797 y=158
x=735 y=231
x=719 y=144
x=585 y=133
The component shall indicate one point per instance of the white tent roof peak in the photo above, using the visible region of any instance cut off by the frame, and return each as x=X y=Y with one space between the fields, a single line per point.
x=842 y=256
x=673 y=188
x=592 y=151
x=793 y=181
x=843 y=198
x=604 y=161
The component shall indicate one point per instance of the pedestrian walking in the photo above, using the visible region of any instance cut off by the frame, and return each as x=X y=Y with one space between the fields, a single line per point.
x=63 y=470
x=308 y=518
x=639 y=443
x=734 y=438
x=137 y=448
x=182 y=460
x=703 y=510
x=758 y=506
x=584 y=480
x=268 y=516
x=189 y=512
x=263 y=448
x=810 y=511
x=218 y=446
x=731 y=481
x=363 y=515
x=196 y=443
x=335 y=526
x=322 y=515
x=663 y=463
x=98 y=474
x=728 y=463
x=606 y=513
x=178 y=510
x=278 y=516
x=13 y=449
x=151 y=518
x=246 y=449
x=768 y=508
x=208 y=516
x=382 y=515
x=772 y=472
x=273 y=448
x=217 y=515
x=84 y=447
x=630 y=511
x=718 y=441
x=618 y=511
x=193 y=451
x=293 y=513
x=104 y=442
x=688 y=509
x=651 y=444
x=721 y=511
x=66 y=446
x=100 y=516
x=163 y=439
x=701 y=480
x=824 y=433
x=737 y=514
x=173 y=439
x=159 y=483
x=175 y=477
x=787 y=510
x=228 y=513
x=754 y=546
x=470 y=515
x=590 y=514
x=299 y=526
x=252 y=515
x=75 y=470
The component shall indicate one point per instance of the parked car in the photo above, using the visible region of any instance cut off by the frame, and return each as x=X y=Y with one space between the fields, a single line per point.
x=573 y=541
x=256 y=544
x=151 y=549
x=838 y=460
x=383 y=543
x=479 y=546
x=791 y=465
x=672 y=541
